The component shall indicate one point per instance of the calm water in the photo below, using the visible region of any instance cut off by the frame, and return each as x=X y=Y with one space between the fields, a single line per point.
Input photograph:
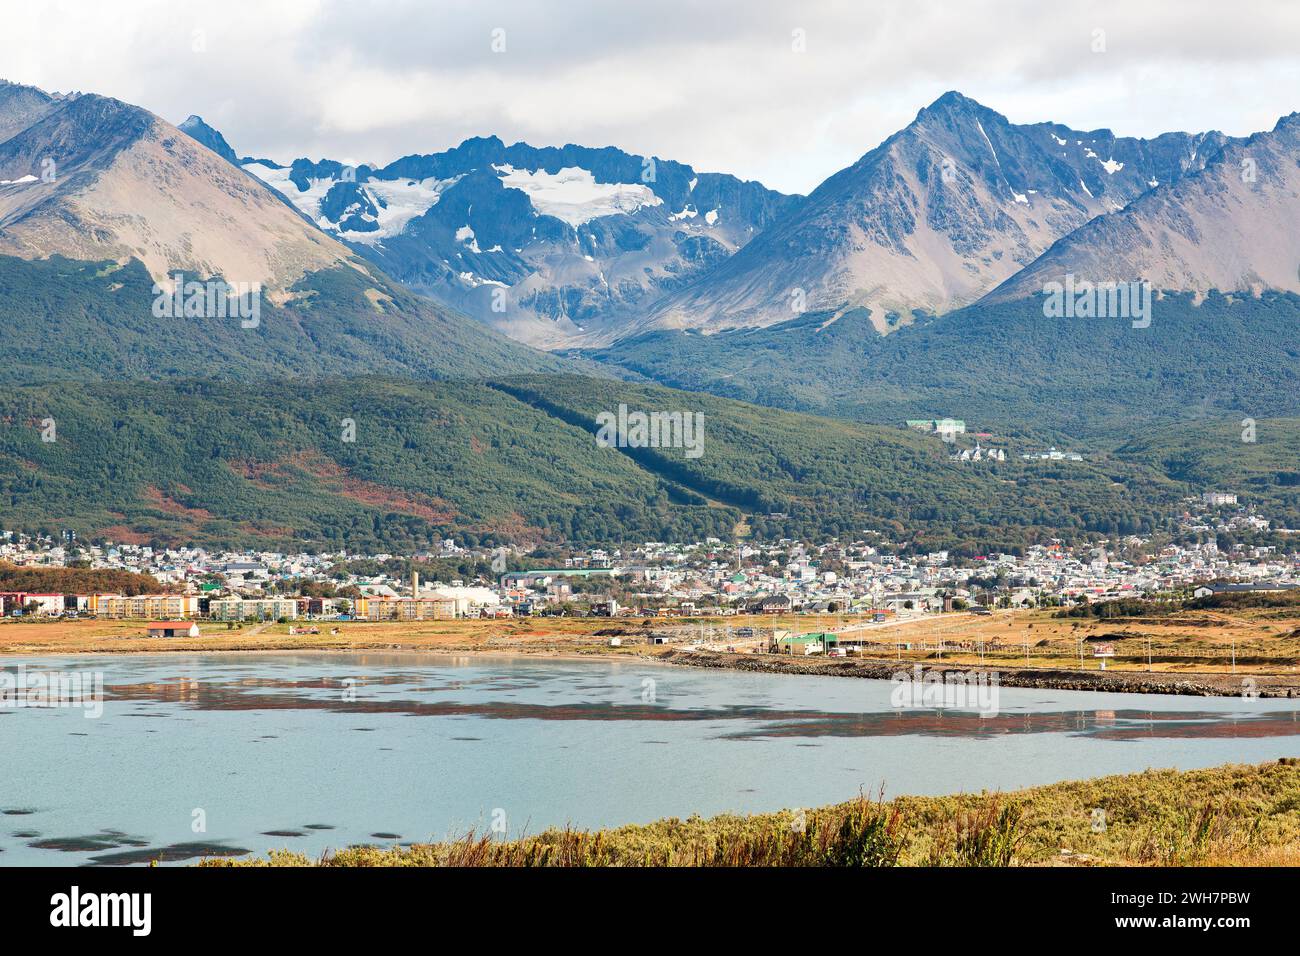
x=313 y=751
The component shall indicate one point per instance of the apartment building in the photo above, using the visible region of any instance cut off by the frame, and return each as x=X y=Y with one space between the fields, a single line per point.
x=36 y=603
x=152 y=606
x=258 y=609
x=405 y=609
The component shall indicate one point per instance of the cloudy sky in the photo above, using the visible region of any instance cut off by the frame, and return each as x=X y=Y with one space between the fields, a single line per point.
x=782 y=92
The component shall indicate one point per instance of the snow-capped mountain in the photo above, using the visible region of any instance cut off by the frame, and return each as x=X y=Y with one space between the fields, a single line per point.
x=1232 y=227
x=580 y=247
x=551 y=245
x=130 y=200
x=931 y=219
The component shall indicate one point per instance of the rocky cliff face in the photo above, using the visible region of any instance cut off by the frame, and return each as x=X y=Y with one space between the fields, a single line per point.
x=95 y=178
x=1231 y=227
x=553 y=246
x=933 y=218
x=209 y=137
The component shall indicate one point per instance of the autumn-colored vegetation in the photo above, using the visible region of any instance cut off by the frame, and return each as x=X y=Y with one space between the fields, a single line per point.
x=77 y=581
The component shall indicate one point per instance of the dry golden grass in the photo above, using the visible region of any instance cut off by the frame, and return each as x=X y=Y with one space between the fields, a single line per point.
x=1267 y=641
x=94 y=636
x=1235 y=815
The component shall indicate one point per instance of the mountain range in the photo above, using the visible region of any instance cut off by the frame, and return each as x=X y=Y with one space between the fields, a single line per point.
x=102 y=204
x=933 y=218
x=1229 y=228
x=575 y=247
x=411 y=297
x=550 y=245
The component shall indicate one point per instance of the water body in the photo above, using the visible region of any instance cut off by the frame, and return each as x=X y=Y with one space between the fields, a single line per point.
x=234 y=753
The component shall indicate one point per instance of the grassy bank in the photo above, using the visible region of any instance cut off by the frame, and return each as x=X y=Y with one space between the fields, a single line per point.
x=1232 y=815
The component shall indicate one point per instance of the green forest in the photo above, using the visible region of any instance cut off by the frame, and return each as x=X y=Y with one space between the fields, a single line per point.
x=62 y=319
x=1004 y=368
x=200 y=431
x=378 y=464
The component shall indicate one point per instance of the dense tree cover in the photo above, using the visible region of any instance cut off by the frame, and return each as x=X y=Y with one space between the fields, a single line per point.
x=1122 y=607
x=1259 y=462
x=797 y=476
x=1138 y=607
x=65 y=319
x=1240 y=600
x=260 y=457
x=76 y=581
x=1005 y=368
x=226 y=464
x=376 y=464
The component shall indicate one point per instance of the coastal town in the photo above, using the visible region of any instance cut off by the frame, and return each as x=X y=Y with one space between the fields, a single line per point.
x=867 y=576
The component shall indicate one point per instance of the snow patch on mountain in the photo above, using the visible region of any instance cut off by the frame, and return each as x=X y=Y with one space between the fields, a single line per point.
x=573 y=195
x=406 y=199
x=466 y=235
x=277 y=177
x=399 y=200
x=473 y=281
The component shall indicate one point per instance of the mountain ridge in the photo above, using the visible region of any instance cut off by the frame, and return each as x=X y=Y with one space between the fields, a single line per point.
x=103 y=205
x=551 y=245
x=931 y=219
x=1230 y=228
x=947 y=210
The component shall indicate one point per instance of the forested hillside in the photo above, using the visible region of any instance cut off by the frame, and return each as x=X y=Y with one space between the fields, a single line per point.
x=1258 y=459
x=271 y=463
x=1005 y=368
x=65 y=319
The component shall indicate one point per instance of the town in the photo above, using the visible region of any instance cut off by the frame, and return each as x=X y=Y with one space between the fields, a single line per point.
x=869 y=576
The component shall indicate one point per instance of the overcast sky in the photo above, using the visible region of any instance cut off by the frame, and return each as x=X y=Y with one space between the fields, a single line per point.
x=725 y=86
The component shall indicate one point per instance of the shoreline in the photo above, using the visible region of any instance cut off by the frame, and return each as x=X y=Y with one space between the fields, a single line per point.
x=1191 y=656
x=483 y=652
x=1204 y=684
x=1115 y=682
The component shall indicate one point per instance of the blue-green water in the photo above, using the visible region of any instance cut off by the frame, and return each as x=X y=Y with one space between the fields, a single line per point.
x=239 y=752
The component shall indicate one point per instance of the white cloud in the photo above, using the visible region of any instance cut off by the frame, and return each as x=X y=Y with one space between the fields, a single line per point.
x=714 y=85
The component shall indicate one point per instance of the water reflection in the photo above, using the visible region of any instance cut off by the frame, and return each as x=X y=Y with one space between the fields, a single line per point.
x=378 y=748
